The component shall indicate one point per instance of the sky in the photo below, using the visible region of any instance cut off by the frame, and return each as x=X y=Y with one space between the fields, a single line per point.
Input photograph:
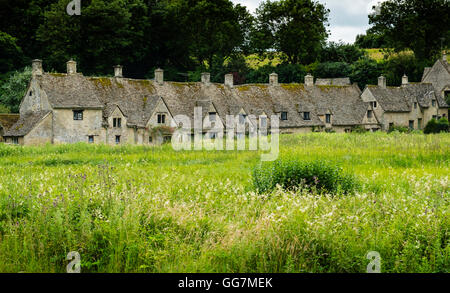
x=348 y=18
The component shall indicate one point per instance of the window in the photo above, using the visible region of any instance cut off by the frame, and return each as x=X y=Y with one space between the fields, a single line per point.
x=415 y=105
x=117 y=139
x=434 y=117
x=15 y=140
x=369 y=114
x=433 y=103
x=31 y=93
x=419 y=123
x=328 y=118
x=263 y=122
x=91 y=139
x=447 y=95
x=78 y=115
x=161 y=118
x=411 y=124
x=306 y=116
x=117 y=122
x=167 y=139
x=150 y=139
x=212 y=117
x=284 y=116
x=242 y=118
x=391 y=125
x=374 y=104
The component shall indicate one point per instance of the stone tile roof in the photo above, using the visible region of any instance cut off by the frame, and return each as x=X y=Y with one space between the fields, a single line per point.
x=137 y=99
x=25 y=124
x=8 y=120
x=401 y=99
x=333 y=81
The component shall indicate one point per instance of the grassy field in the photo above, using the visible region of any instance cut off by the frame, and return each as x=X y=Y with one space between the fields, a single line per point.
x=141 y=209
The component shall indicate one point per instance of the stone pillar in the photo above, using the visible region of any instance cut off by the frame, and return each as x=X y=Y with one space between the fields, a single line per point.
x=382 y=82
x=159 y=76
x=71 y=67
x=309 y=80
x=37 y=67
x=273 y=79
x=118 y=71
x=229 y=80
x=206 y=78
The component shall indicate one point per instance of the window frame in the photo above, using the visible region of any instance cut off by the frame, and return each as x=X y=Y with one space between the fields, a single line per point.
x=15 y=140
x=161 y=119
x=307 y=116
x=284 y=116
x=212 y=116
x=117 y=122
x=328 y=118
x=118 y=139
x=369 y=114
x=91 y=139
x=433 y=103
x=78 y=115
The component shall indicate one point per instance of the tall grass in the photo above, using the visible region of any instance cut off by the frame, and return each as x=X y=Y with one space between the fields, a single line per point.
x=142 y=209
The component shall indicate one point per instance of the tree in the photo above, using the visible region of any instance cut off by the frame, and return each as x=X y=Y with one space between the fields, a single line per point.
x=13 y=89
x=332 y=70
x=340 y=52
x=10 y=54
x=403 y=63
x=370 y=41
x=365 y=71
x=419 y=25
x=295 y=27
x=4 y=109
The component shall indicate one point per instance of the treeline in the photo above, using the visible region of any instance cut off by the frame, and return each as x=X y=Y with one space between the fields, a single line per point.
x=187 y=37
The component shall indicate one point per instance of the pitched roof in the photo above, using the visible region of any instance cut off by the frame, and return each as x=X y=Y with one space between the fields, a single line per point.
x=8 y=120
x=333 y=81
x=137 y=99
x=392 y=99
x=26 y=123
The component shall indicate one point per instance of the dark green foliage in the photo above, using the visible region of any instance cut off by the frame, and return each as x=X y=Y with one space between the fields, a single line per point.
x=333 y=70
x=435 y=126
x=370 y=41
x=314 y=175
x=420 y=25
x=403 y=63
x=365 y=71
x=340 y=52
x=10 y=53
x=13 y=89
x=400 y=129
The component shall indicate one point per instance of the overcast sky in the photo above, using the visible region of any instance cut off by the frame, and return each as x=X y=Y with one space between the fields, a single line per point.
x=348 y=18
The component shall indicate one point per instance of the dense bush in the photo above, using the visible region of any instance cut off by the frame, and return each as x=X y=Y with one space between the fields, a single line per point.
x=435 y=126
x=401 y=129
x=315 y=175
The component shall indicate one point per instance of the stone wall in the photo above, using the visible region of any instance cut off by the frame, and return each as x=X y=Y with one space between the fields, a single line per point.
x=41 y=134
x=68 y=130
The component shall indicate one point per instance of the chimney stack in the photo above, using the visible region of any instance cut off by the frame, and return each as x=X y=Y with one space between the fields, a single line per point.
x=229 y=80
x=37 y=67
x=118 y=71
x=405 y=80
x=159 y=76
x=382 y=82
x=71 y=67
x=206 y=78
x=273 y=79
x=309 y=80
x=444 y=56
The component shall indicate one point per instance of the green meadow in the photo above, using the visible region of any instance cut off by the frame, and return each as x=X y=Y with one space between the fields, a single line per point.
x=152 y=209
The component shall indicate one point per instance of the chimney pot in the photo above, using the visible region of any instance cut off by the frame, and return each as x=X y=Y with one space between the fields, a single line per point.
x=405 y=80
x=273 y=79
x=309 y=80
x=444 y=56
x=37 y=67
x=206 y=78
x=229 y=80
x=118 y=71
x=382 y=82
x=159 y=76
x=71 y=67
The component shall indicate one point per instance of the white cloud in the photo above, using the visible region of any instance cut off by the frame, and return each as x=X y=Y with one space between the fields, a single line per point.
x=348 y=18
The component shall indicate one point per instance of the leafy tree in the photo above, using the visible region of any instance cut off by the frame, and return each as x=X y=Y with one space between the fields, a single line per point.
x=419 y=25
x=10 y=53
x=365 y=71
x=403 y=63
x=295 y=27
x=13 y=89
x=340 y=52
x=333 y=70
x=370 y=41
x=443 y=125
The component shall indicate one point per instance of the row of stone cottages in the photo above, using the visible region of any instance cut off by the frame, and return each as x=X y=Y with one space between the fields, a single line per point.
x=69 y=108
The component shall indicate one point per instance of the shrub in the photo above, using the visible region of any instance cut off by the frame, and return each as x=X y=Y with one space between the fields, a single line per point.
x=400 y=129
x=359 y=129
x=435 y=126
x=315 y=175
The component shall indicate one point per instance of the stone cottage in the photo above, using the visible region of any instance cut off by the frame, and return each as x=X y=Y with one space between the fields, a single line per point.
x=69 y=108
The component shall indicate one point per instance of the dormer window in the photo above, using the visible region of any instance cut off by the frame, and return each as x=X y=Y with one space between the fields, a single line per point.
x=284 y=116
x=78 y=115
x=161 y=118
x=117 y=122
x=415 y=105
x=328 y=118
x=212 y=117
x=374 y=104
x=369 y=114
x=306 y=116
x=433 y=103
x=31 y=93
